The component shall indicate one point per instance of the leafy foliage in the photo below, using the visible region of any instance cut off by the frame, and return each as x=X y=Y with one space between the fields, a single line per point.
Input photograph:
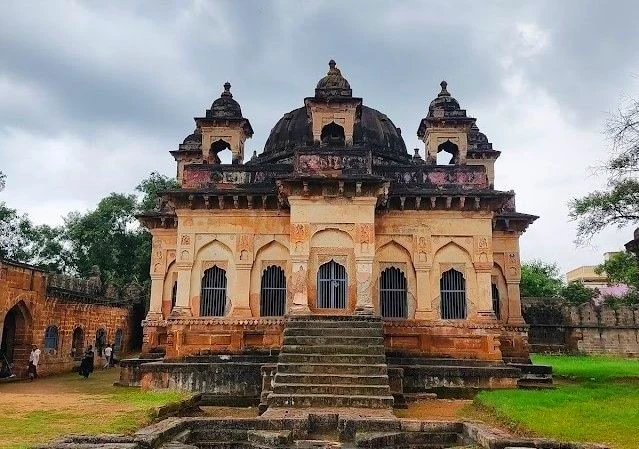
x=151 y=187
x=575 y=292
x=621 y=268
x=618 y=204
x=540 y=279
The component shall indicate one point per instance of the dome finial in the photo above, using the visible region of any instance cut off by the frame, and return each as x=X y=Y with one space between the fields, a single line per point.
x=444 y=92
x=331 y=64
x=227 y=90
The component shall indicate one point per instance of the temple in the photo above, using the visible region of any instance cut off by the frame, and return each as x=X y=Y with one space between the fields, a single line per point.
x=335 y=218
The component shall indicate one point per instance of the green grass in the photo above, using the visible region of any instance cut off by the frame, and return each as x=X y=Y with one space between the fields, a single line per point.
x=49 y=408
x=599 y=404
x=596 y=368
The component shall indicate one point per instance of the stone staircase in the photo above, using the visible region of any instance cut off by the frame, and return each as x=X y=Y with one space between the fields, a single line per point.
x=332 y=361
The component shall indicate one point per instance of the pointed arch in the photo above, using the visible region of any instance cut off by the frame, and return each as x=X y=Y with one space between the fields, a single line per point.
x=333 y=134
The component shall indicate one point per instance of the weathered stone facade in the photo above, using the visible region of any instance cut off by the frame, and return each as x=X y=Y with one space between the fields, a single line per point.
x=336 y=189
x=592 y=329
x=61 y=314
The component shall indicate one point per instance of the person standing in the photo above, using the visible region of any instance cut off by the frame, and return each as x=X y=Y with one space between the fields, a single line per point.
x=108 y=352
x=86 y=366
x=34 y=360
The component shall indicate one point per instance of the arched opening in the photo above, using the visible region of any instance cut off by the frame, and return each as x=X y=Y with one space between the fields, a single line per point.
x=495 y=292
x=392 y=293
x=77 y=342
x=100 y=341
x=447 y=150
x=15 y=339
x=213 y=292
x=217 y=147
x=117 y=340
x=452 y=286
x=173 y=295
x=333 y=134
x=331 y=286
x=273 y=292
x=51 y=339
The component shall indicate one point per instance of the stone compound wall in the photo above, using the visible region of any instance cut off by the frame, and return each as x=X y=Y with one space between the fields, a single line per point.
x=591 y=329
x=32 y=300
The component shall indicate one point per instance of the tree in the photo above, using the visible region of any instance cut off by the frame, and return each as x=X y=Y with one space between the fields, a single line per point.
x=621 y=268
x=540 y=279
x=577 y=293
x=3 y=179
x=14 y=234
x=150 y=189
x=618 y=204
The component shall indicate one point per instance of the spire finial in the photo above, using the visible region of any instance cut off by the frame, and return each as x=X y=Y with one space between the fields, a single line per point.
x=444 y=92
x=227 y=90
x=331 y=64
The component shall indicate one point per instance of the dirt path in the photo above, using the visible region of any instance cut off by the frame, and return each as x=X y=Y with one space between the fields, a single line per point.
x=434 y=409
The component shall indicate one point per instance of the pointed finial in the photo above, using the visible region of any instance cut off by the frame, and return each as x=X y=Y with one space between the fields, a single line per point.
x=444 y=92
x=331 y=64
x=227 y=90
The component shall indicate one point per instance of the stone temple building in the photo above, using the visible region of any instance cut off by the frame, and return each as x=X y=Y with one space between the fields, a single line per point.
x=335 y=218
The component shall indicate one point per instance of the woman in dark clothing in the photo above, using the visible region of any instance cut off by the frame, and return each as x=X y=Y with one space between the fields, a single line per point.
x=86 y=366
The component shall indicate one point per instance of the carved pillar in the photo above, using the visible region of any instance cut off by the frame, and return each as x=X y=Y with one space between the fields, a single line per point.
x=484 y=293
x=240 y=306
x=424 y=309
x=513 y=277
x=364 y=277
x=155 y=304
x=300 y=253
x=183 y=294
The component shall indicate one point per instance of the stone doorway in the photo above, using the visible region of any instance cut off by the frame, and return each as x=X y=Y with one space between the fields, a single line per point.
x=15 y=337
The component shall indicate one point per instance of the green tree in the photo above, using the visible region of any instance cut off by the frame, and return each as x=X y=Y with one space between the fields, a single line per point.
x=618 y=204
x=3 y=179
x=150 y=188
x=14 y=234
x=621 y=268
x=540 y=279
x=577 y=293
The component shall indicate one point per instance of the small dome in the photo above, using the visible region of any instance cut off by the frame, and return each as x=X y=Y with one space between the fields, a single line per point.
x=444 y=105
x=333 y=84
x=225 y=106
x=196 y=137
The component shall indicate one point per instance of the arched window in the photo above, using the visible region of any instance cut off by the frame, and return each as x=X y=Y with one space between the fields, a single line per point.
x=392 y=293
x=452 y=150
x=452 y=288
x=331 y=286
x=51 y=338
x=117 y=340
x=273 y=292
x=218 y=147
x=496 y=300
x=333 y=134
x=77 y=343
x=213 y=293
x=100 y=341
x=173 y=295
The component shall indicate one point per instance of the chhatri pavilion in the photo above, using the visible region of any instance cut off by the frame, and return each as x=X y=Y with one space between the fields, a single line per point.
x=336 y=218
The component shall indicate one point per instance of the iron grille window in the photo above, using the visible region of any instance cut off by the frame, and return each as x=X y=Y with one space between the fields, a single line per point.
x=331 y=286
x=496 y=301
x=392 y=293
x=452 y=288
x=213 y=293
x=273 y=292
x=51 y=338
x=173 y=295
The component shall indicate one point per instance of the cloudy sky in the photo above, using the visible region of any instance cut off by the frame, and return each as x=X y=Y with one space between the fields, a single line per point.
x=93 y=95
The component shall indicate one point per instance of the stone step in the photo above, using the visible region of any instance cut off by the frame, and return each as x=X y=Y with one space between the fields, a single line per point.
x=333 y=349
x=360 y=359
x=406 y=439
x=332 y=389
x=208 y=434
x=334 y=318
x=270 y=438
x=333 y=379
x=333 y=368
x=325 y=400
x=332 y=340
x=334 y=332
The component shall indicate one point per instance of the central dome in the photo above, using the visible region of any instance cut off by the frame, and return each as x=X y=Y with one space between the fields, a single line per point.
x=374 y=130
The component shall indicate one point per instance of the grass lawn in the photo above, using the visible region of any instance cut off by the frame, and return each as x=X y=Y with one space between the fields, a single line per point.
x=34 y=413
x=596 y=400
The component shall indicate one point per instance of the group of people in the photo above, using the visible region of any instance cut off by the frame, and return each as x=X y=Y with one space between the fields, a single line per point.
x=86 y=364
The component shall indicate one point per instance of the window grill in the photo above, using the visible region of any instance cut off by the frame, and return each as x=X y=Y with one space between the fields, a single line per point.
x=392 y=293
x=452 y=288
x=100 y=341
x=51 y=338
x=331 y=286
x=213 y=293
x=173 y=295
x=273 y=292
x=496 y=301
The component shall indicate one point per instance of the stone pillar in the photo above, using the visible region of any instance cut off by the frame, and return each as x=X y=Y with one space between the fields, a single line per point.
x=299 y=286
x=183 y=297
x=155 y=303
x=484 y=293
x=240 y=306
x=364 y=278
x=514 y=303
x=424 y=309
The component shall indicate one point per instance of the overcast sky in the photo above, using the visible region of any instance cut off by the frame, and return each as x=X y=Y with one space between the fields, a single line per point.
x=94 y=95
